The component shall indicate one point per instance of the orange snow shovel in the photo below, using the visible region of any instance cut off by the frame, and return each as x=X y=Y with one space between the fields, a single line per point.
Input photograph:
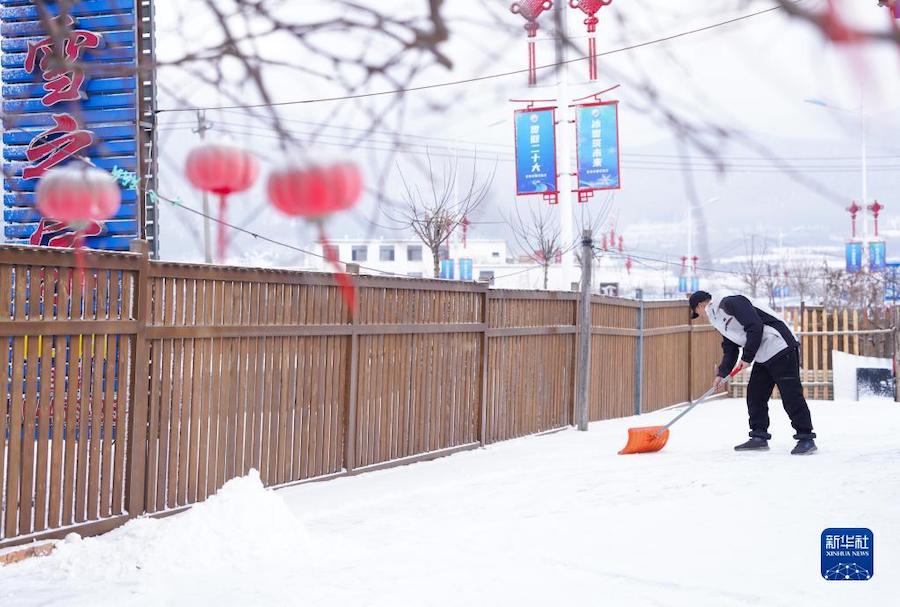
x=653 y=438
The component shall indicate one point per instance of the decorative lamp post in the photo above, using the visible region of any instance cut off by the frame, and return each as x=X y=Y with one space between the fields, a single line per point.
x=590 y=8
x=531 y=10
x=853 y=209
x=222 y=169
x=314 y=193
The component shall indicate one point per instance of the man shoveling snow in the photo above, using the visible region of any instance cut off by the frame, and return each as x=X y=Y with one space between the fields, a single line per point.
x=769 y=343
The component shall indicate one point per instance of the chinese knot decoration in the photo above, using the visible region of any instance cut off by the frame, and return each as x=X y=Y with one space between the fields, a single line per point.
x=314 y=193
x=221 y=169
x=853 y=209
x=876 y=208
x=590 y=8
x=75 y=197
x=531 y=10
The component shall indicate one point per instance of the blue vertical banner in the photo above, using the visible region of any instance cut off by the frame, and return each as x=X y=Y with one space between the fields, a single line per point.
x=682 y=284
x=447 y=269
x=52 y=115
x=536 y=152
x=877 y=256
x=853 y=256
x=597 y=126
x=695 y=284
x=465 y=269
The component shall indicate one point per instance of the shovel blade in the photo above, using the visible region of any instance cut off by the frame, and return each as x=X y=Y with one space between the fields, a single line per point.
x=645 y=440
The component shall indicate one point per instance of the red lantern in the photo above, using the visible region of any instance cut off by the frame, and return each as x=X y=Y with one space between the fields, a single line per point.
x=223 y=169
x=314 y=193
x=78 y=195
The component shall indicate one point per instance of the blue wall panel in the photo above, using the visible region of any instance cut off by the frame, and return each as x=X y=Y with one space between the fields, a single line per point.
x=107 y=107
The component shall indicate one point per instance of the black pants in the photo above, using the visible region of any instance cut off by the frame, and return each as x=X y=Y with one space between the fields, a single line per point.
x=782 y=370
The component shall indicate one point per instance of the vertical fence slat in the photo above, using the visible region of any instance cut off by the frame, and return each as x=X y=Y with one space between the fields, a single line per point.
x=43 y=430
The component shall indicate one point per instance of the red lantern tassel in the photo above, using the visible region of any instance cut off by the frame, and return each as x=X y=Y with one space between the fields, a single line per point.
x=344 y=281
x=78 y=241
x=592 y=60
x=221 y=244
x=532 y=64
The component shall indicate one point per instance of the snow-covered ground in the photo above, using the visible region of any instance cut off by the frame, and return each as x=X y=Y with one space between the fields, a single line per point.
x=550 y=520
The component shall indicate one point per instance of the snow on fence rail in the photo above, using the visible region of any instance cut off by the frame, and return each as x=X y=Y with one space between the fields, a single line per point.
x=137 y=387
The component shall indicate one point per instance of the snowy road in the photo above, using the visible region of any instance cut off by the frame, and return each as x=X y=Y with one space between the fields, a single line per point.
x=538 y=521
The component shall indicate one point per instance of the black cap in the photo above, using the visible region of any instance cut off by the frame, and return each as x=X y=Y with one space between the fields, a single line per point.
x=698 y=297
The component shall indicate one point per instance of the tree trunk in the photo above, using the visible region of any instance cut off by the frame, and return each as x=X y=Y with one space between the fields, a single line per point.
x=435 y=256
x=546 y=268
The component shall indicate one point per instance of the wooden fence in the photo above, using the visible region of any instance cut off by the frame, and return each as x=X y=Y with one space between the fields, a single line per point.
x=137 y=387
x=824 y=330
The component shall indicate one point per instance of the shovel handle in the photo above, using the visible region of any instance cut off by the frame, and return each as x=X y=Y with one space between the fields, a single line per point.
x=702 y=398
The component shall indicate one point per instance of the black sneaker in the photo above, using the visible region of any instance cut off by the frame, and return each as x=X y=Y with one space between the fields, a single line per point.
x=805 y=446
x=754 y=444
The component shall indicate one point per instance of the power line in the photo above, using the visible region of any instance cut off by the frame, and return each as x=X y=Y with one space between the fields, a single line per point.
x=176 y=203
x=478 y=78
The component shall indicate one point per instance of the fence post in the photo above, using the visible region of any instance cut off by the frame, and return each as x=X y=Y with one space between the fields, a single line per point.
x=353 y=386
x=690 y=365
x=483 y=372
x=136 y=445
x=584 y=332
x=639 y=356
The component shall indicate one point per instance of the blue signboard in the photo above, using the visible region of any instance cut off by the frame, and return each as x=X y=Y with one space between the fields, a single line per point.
x=682 y=284
x=695 y=284
x=447 y=269
x=598 y=146
x=52 y=115
x=465 y=269
x=892 y=282
x=853 y=254
x=536 y=152
x=877 y=256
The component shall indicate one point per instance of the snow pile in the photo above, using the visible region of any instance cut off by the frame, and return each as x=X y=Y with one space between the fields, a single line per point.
x=549 y=520
x=236 y=548
x=845 y=366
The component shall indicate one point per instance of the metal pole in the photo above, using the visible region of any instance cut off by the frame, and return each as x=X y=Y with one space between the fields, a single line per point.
x=202 y=127
x=584 y=332
x=639 y=356
x=865 y=177
x=690 y=255
x=565 y=133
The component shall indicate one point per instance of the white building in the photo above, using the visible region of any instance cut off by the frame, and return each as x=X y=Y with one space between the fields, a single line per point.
x=410 y=257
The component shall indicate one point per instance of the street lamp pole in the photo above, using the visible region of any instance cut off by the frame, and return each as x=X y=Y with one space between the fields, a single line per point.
x=565 y=148
x=692 y=272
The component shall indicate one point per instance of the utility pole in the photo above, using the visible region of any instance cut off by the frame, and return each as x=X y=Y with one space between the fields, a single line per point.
x=865 y=174
x=565 y=132
x=584 y=332
x=202 y=127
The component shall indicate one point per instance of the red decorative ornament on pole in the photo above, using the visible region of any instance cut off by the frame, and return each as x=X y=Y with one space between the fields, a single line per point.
x=853 y=209
x=78 y=195
x=314 y=193
x=222 y=169
x=531 y=10
x=590 y=8
x=876 y=208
